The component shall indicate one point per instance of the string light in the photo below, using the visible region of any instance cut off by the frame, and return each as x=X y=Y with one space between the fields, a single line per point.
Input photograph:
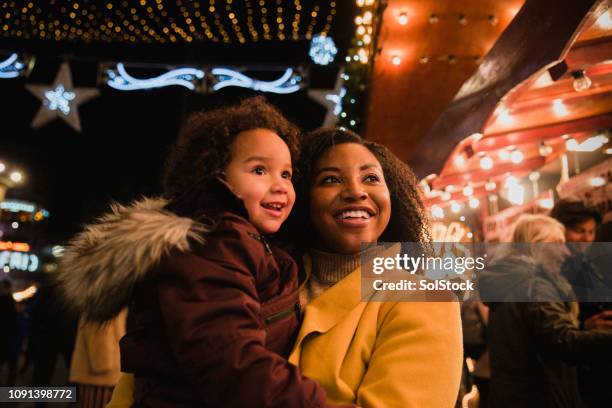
x=581 y=81
x=455 y=207
x=486 y=163
x=504 y=117
x=402 y=18
x=559 y=108
x=605 y=21
x=437 y=211
x=516 y=156
x=155 y=22
x=597 y=181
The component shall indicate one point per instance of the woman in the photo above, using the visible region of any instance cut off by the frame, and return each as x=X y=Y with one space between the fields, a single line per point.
x=372 y=354
x=534 y=346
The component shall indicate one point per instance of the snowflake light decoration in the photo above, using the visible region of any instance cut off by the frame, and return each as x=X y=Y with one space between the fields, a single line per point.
x=322 y=49
x=59 y=98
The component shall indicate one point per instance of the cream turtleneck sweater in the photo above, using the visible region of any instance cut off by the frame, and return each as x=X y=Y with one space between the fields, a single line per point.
x=327 y=269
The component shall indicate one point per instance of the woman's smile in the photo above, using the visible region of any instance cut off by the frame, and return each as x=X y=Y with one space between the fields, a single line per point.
x=349 y=199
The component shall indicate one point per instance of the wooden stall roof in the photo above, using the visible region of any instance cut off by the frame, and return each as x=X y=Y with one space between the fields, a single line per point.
x=507 y=94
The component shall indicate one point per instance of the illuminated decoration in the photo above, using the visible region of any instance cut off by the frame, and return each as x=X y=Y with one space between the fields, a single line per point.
x=486 y=163
x=402 y=18
x=459 y=160
x=544 y=149
x=516 y=156
x=559 y=108
x=25 y=294
x=516 y=192
x=164 y=22
x=455 y=207
x=445 y=196
x=322 y=49
x=11 y=67
x=453 y=232
x=16 y=176
x=590 y=145
x=119 y=79
x=22 y=261
x=581 y=81
x=546 y=203
x=14 y=246
x=17 y=206
x=490 y=186
x=437 y=211
x=504 y=154
x=605 y=21
x=358 y=59
x=396 y=60
x=597 y=181
x=289 y=82
x=61 y=100
x=474 y=202
x=331 y=99
x=504 y=117
x=468 y=191
x=58 y=251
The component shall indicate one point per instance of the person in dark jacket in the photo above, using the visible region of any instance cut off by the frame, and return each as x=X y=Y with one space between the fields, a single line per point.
x=534 y=336
x=588 y=270
x=9 y=321
x=214 y=305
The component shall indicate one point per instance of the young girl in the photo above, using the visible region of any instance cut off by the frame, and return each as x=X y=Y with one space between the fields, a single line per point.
x=213 y=305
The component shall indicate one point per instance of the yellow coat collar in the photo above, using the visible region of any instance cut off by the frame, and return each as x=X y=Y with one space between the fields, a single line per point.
x=329 y=308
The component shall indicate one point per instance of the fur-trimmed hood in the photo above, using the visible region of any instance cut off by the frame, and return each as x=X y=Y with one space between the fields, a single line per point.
x=102 y=264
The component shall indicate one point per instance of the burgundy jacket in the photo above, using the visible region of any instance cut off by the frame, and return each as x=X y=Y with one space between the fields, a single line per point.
x=212 y=326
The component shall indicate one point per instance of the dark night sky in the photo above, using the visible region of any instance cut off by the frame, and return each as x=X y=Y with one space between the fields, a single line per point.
x=125 y=137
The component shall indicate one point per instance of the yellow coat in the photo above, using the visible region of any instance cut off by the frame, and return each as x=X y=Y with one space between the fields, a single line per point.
x=373 y=354
x=381 y=354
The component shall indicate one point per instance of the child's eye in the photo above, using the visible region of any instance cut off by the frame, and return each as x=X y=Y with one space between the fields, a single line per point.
x=372 y=178
x=259 y=170
x=287 y=175
x=330 y=179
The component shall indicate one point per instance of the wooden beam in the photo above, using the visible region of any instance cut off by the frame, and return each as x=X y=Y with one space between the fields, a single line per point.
x=539 y=36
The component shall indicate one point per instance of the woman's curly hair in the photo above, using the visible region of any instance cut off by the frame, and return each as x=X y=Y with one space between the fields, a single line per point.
x=203 y=149
x=408 y=222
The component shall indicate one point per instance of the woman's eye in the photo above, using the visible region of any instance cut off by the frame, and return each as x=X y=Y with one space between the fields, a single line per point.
x=372 y=178
x=259 y=170
x=286 y=175
x=330 y=179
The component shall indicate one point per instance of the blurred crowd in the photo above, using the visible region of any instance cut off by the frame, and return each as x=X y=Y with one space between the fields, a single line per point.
x=556 y=350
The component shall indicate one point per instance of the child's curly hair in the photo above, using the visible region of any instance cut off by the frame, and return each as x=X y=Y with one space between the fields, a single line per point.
x=408 y=223
x=203 y=149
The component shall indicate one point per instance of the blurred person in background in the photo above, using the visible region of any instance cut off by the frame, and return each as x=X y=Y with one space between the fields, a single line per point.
x=96 y=365
x=535 y=345
x=52 y=332
x=589 y=273
x=9 y=338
